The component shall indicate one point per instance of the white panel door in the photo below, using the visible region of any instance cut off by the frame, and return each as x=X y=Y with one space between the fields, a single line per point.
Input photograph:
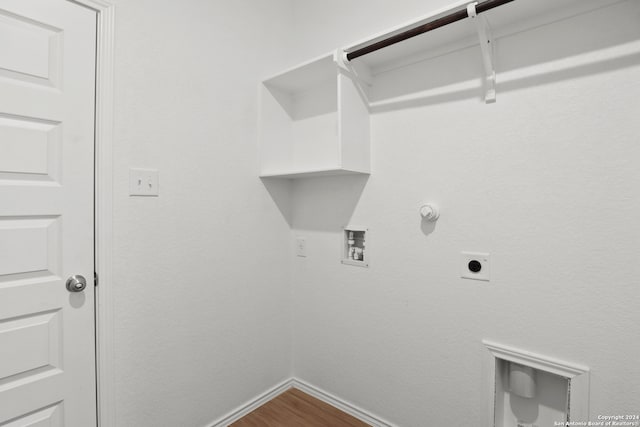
x=47 y=86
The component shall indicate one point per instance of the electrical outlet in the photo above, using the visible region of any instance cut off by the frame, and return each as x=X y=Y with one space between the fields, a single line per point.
x=301 y=247
x=475 y=266
x=144 y=182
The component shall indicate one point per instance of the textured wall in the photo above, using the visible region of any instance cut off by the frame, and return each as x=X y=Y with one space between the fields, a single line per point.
x=202 y=272
x=546 y=180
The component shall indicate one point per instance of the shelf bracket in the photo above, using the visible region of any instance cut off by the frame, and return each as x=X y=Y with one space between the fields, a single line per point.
x=340 y=58
x=360 y=75
x=486 y=46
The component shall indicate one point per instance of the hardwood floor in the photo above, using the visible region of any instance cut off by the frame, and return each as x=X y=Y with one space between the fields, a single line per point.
x=294 y=408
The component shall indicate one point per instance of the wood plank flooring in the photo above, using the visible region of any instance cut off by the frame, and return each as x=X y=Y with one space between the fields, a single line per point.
x=294 y=408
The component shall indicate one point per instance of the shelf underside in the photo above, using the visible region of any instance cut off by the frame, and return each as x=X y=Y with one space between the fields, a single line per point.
x=293 y=174
x=301 y=78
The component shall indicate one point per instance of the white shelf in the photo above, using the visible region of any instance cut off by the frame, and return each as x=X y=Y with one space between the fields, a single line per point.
x=304 y=76
x=313 y=122
x=311 y=173
x=405 y=60
x=314 y=118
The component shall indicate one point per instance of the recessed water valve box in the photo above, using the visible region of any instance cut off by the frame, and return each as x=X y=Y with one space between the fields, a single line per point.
x=354 y=248
x=525 y=389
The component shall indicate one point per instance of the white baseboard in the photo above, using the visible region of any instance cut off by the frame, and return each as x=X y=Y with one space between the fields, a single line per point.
x=254 y=403
x=343 y=405
x=272 y=393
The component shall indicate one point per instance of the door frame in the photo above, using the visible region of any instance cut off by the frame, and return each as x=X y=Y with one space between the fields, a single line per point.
x=103 y=199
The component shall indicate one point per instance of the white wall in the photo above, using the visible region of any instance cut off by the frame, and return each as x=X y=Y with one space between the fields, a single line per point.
x=202 y=272
x=546 y=180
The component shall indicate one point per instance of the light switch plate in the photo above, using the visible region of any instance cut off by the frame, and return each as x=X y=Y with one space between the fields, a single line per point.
x=144 y=182
x=480 y=262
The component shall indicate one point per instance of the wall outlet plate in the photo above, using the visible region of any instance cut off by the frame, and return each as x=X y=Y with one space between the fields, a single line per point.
x=144 y=182
x=301 y=246
x=475 y=266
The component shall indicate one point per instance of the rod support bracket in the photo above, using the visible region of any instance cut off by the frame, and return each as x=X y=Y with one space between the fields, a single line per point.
x=350 y=68
x=360 y=76
x=486 y=46
x=341 y=60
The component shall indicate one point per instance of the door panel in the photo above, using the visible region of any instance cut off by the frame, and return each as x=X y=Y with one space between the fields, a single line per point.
x=30 y=343
x=30 y=149
x=29 y=245
x=47 y=343
x=43 y=43
x=47 y=417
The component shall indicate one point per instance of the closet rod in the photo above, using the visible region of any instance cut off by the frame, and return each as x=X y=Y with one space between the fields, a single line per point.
x=424 y=28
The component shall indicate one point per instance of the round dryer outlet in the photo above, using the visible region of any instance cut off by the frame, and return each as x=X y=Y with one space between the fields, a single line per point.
x=475 y=266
